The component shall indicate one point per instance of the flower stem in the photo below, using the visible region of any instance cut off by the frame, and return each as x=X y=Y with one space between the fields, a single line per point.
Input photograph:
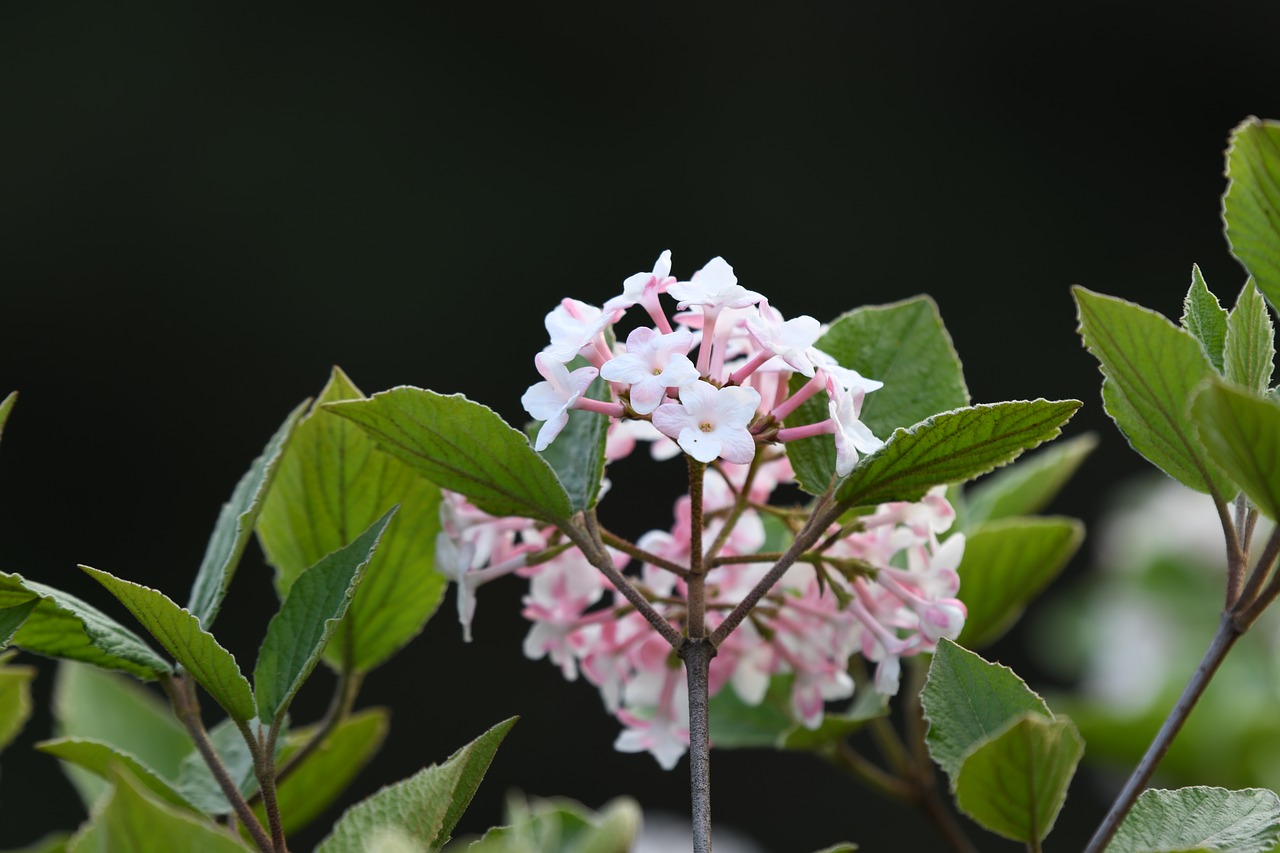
x=697 y=581
x=187 y=710
x=697 y=654
x=1227 y=634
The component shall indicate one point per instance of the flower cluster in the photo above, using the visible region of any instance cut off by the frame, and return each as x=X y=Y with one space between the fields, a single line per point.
x=883 y=585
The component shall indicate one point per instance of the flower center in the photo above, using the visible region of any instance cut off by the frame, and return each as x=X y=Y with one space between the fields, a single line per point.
x=706 y=427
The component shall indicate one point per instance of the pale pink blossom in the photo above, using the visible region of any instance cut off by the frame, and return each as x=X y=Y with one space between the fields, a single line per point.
x=575 y=329
x=851 y=434
x=710 y=422
x=788 y=340
x=643 y=289
x=652 y=363
x=551 y=399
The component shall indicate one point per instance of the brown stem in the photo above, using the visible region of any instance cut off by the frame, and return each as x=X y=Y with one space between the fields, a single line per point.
x=865 y=771
x=697 y=583
x=1227 y=634
x=264 y=767
x=188 y=713
x=697 y=654
x=631 y=550
x=1250 y=607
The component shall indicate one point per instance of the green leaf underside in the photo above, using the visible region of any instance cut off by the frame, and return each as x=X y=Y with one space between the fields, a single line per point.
x=332 y=483
x=11 y=619
x=953 y=447
x=1205 y=318
x=1200 y=819
x=1006 y=564
x=1250 y=350
x=15 y=699
x=577 y=454
x=1251 y=206
x=91 y=703
x=133 y=819
x=180 y=634
x=426 y=806
x=1240 y=432
x=562 y=826
x=101 y=759
x=969 y=701
x=63 y=626
x=6 y=406
x=1152 y=370
x=905 y=346
x=235 y=525
x=307 y=619
x=1028 y=485
x=327 y=771
x=1015 y=783
x=462 y=446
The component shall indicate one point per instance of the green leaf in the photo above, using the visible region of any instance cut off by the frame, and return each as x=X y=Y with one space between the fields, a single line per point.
x=1200 y=819
x=1240 y=431
x=968 y=702
x=1015 y=784
x=561 y=826
x=426 y=806
x=577 y=454
x=905 y=346
x=94 y=704
x=462 y=446
x=1152 y=369
x=1028 y=485
x=11 y=619
x=739 y=725
x=952 y=447
x=1006 y=564
x=332 y=483
x=181 y=636
x=298 y=632
x=15 y=699
x=835 y=727
x=1205 y=319
x=63 y=626
x=327 y=771
x=196 y=781
x=235 y=526
x=6 y=406
x=1251 y=206
x=102 y=759
x=1250 y=351
x=134 y=819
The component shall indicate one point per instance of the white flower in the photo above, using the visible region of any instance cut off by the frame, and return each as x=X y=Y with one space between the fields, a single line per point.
x=789 y=340
x=652 y=363
x=550 y=401
x=636 y=289
x=851 y=434
x=714 y=287
x=573 y=327
x=710 y=422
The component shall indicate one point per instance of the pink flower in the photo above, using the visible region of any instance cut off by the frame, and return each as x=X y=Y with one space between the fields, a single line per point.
x=652 y=363
x=643 y=289
x=851 y=434
x=551 y=400
x=714 y=287
x=710 y=422
x=789 y=340
x=575 y=329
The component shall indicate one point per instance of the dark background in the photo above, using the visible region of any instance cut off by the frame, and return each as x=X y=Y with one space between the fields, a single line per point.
x=203 y=207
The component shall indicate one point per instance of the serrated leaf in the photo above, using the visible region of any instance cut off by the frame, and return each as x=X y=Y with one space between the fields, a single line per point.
x=106 y=706
x=1006 y=564
x=905 y=346
x=297 y=634
x=6 y=406
x=1152 y=371
x=327 y=771
x=1205 y=318
x=952 y=447
x=969 y=701
x=1250 y=348
x=63 y=626
x=1028 y=485
x=462 y=446
x=426 y=806
x=1015 y=783
x=1213 y=820
x=15 y=699
x=11 y=619
x=332 y=483
x=180 y=634
x=134 y=819
x=1240 y=431
x=1251 y=205
x=235 y=525
x=101 y=759
x=577 y=454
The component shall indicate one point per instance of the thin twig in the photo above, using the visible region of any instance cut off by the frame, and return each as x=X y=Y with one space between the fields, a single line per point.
x=695 y=622
x=188 y=713
x=870 y=774
x=1252 y=608
x=697 y=654
x=630 y=549
x=1227 y=634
